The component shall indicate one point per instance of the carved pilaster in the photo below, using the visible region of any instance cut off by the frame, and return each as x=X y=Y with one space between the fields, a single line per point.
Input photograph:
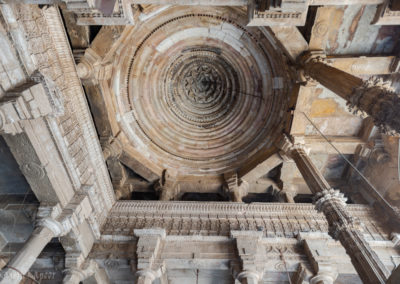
x=248 y=244
x=316 y=247
x=373 y=97
x=149 y=247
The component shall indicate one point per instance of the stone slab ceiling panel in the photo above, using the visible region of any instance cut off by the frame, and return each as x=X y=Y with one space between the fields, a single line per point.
x=197 y=92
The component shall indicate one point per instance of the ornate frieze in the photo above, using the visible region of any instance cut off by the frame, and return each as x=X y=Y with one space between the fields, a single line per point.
x=212 y=219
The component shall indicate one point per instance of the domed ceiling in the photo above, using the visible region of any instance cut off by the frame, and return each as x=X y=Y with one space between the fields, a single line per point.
x=199 y=93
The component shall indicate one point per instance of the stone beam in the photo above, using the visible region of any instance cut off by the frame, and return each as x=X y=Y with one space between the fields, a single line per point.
x=291 y=40
x=262 y=168
x=193 y=2
x=345 y=2
x=366 y=65
x=317 y=144
x=128 y=160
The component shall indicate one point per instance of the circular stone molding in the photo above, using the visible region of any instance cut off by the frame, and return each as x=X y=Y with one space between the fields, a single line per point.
x=33 y=170
x=198 y=92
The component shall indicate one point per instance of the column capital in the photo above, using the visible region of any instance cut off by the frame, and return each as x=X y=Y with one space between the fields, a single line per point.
x=56 y=227
x=287 y=145
x=62 y=221
x=312 y=56
x=150 y=274
x=248 y=274
x=112 y=147
x=87 y=269
x=377 y=98
x=324 y=277
x=321 y=198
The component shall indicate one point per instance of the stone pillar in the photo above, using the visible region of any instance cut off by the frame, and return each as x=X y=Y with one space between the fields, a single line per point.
x=23 y=260
x=372 y=97
x=168 y=187
x=342 y=226
x=52 y=222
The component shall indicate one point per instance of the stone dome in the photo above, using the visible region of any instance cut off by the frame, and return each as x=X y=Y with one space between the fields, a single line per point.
x=200 y=93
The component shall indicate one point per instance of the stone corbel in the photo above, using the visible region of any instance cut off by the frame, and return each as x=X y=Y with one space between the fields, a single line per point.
x=112 y=147
x=91 y=70
x=167 y=187
x=286 y=146
x=235 y=187
x=38 y=97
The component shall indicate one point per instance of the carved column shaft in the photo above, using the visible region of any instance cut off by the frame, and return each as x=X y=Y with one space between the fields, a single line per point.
x=371 y=97
x=23 y=260
x=346 y=229
x=342 y=226
x=338 y=81
x=312 y=176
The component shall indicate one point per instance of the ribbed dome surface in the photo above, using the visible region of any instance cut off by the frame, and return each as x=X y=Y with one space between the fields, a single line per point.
x=200 y=93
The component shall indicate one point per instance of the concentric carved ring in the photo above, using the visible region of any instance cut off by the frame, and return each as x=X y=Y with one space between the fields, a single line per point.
x=200 y=93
